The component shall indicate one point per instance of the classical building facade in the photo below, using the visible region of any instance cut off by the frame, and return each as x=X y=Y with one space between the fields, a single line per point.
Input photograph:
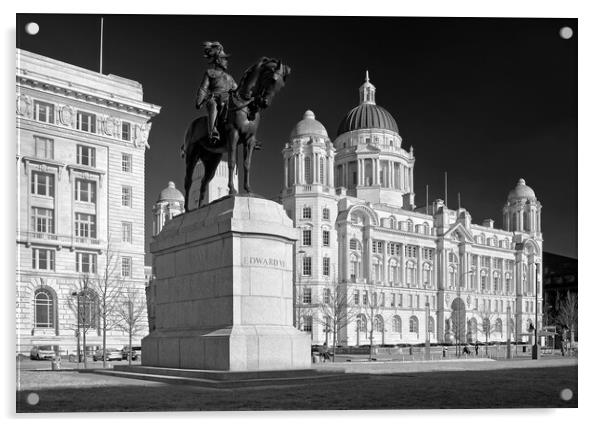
x=169 y=204
x=367 y=256
x=81 y=141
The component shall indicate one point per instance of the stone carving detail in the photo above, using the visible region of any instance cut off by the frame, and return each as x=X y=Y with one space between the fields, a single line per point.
x=468 y=300
x=447 y=298
x=109 y=126
x=141 y=133
x=66 y=115
x=24 y=106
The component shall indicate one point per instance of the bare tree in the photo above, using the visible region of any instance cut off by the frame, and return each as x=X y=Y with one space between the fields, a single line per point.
x=130 y=314
x=337 y=311
x=85 y=309
x=375 y=303
x=568 y=315
x=487 y=325
x=108 y=284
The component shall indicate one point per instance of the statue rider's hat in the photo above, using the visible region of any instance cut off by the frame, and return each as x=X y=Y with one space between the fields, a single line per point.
x=214 y=50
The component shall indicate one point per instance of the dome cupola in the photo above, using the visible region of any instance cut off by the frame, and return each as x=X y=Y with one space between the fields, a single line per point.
x=170 y=194
x=309 y=126
x=521 y=192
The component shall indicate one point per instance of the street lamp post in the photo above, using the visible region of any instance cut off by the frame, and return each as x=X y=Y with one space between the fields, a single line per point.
x=427 y=340
x=508 y=331
x=76 y=295
x=535 y=349
x=296 y=280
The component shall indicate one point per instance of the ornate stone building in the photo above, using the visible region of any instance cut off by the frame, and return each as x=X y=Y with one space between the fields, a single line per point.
x=395 y=268
x=169 y=204
x=81 y=140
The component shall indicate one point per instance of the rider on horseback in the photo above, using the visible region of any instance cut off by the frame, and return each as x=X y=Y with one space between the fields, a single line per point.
x=215 y=87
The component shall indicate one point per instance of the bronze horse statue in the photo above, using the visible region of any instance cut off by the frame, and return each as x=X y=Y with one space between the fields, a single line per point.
x=257 y=87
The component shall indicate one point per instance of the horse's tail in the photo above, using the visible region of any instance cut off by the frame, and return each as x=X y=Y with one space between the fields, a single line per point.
x=184 y=146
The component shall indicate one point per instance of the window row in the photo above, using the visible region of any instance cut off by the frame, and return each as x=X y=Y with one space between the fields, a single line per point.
x=307 y=214
x=307 y=266
x=86 y=304
x=45 y=112
x=424 y=228
x=85 y=262
x=306 y=237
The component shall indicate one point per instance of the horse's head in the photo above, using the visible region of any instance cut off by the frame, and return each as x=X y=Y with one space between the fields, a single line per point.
x=272 y=77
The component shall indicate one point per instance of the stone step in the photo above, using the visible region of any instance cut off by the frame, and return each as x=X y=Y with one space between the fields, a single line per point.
x=226 y=383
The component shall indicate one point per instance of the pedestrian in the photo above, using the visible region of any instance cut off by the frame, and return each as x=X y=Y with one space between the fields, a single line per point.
x=444 y=351
x=476 y=349
x=465 y=350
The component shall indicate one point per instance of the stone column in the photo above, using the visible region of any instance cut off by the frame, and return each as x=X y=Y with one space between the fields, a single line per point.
x=376 y=171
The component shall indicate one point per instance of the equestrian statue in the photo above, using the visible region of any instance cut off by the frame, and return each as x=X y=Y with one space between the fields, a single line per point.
x=232 y=116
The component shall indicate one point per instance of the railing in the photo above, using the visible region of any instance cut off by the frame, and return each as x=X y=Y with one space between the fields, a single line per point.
x=29 y=237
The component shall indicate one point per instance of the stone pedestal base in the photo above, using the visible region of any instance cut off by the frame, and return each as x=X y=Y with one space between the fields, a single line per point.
x=222 y=296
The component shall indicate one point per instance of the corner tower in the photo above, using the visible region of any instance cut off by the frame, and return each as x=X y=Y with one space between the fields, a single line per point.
x=370 y=161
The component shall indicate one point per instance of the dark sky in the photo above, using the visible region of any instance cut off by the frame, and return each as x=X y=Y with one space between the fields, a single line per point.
x=487 y=100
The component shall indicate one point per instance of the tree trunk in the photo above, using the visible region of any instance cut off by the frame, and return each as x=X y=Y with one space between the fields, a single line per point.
x=104 y=340
x=334 y=341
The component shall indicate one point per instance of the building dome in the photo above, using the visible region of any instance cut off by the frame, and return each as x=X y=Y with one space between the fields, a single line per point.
x=170 y=194
x=309 y=126
x=521 y=192
x=367 y=116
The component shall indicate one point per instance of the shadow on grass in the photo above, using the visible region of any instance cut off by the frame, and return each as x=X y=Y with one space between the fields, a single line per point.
x=507 y=388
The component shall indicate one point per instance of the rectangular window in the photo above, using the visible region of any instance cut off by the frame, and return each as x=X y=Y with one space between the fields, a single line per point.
x=325 y=214
x=86 y=122
x=392 y=300
x=85 y=225
x=306 y=295
x=86 y=156
x=126 y=131
x=356 y=297
x=43 y=112
x=126 y=232
x=411 y=298
x=307 y=266
x=483 y=283
x=42 y=220
x=353 y=244
x=42 y=184
x=410 y=251
x=306 y=241
x=325 y=238
x=126 y=162
x=307 y=323
x=126 y=196
x=326 y=296
x=44 y=147
x=400 y=300
x=126 y=266
x=365 y=298
x=42 y=259
x=427 y=253
x=306 y=213
x=85 y=262
x=382 y=299
x=326 y=266
x=85 y=190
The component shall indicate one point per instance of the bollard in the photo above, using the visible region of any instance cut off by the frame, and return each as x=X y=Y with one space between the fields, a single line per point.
x=55 y=363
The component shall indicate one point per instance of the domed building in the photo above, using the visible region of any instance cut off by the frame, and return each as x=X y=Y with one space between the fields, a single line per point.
x=368 y=257
x=169 y=204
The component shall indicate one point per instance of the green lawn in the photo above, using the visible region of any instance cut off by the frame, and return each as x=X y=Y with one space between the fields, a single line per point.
x=505 y=388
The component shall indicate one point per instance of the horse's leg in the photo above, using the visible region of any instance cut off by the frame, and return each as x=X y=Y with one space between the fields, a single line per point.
x=249 y=146
x=210 y=162
x=190 y=164
x=232 y=147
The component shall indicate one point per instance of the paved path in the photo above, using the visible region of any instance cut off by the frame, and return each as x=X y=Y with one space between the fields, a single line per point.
x=451 y=365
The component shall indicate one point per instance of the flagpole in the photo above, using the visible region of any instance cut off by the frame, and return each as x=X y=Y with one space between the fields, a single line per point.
x=101 y=39
x=446 y=188
x=427 y=199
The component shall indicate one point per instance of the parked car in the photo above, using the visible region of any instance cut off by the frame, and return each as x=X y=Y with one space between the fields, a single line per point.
x=39 y=352
x=136 y=352
x=112 y=354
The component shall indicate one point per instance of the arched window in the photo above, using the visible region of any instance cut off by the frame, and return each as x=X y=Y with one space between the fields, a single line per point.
x=411 y=273
x=392 y=222
x=427 y=274
x=44 y=312
x=431 y=325
x=483 y=280
x=452 y=276
x=397 y=325
x=508 y=280
x=377 y=269
x=308 y=174
x=361 y=323
x=88 y=309
x=425 y=228
x=414 y=325
x=410 y=225
x=355 y=266
x=417 y=228
x=393 y=271
x=379 y=324
x=498 y=325
x=496 y=282
x=486 y=325
x=322 y=170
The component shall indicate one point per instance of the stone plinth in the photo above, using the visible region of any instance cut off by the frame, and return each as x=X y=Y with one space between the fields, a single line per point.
x=223 y=296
